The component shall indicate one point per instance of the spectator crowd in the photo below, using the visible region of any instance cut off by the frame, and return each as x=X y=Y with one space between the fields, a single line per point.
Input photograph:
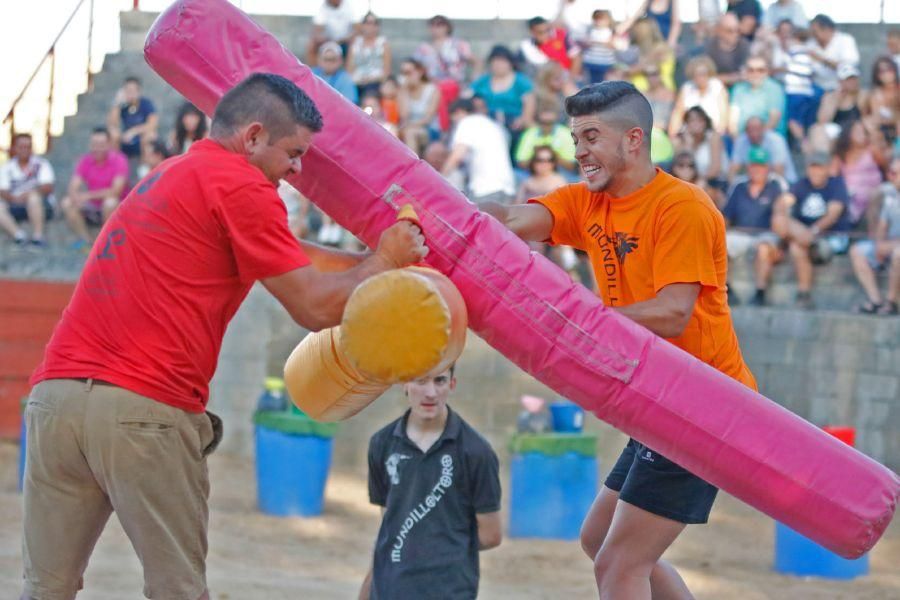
x=766 y=109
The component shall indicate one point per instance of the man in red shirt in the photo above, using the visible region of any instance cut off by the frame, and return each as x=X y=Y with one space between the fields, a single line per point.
x=548 y=43
x=116 y=420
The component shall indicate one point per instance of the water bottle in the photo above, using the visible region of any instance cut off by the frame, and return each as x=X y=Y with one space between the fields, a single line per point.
x=273 y=397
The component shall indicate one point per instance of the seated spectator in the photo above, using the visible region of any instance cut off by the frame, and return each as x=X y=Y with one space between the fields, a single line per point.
x=190 y=126
x=702 y=89
x=803 y=217
x=543 y=175
x=297 y=206
x=881 y=106
x=436 y=155
x=26 y=182
x=369 y=57
x=447 y=59
x=758 y=96
x=480 y=144
x=389 y=92
x=551 y=88
x=829 y=49
x=653 y=54
x=371 y=105
x=709 y=12
x=684 y=167
x=881 y=251
x=417 y=104
x=548 y=133
x=661 y=98
x=508 y=93
x=335 y=22
x=893 y=44
x=331 y=70
x=153 y=154
x=749 y=211
x=700 y=138
x=860 y=160
x=662 y=12
x=132 y=120
x=599 y=46
x=548 y=43
x=785 y=10
x=756 y=135
x=842 y=106
x=749 y=14
x=728 y=50
x=97 y=186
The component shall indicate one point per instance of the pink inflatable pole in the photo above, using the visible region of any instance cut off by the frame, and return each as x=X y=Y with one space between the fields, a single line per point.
x=530 y=310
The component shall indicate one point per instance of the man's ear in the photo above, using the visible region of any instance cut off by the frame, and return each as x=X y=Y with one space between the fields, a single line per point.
x=634 y=138
x=253 y=136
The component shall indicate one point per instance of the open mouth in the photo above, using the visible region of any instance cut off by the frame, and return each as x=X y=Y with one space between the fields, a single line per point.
x=590 y=170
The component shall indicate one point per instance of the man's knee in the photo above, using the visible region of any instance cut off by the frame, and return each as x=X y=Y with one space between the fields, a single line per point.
x=613 y=563
x=591 y=541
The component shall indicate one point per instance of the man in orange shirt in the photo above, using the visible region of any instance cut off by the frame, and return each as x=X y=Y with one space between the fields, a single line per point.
x=657 y=246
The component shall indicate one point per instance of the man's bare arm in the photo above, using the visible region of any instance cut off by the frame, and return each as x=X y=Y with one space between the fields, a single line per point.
x=668 y=313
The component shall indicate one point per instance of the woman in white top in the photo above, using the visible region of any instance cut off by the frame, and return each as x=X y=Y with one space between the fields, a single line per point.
x=369 y=57
x=702 y=89
x=417 y=104
x=710 y=156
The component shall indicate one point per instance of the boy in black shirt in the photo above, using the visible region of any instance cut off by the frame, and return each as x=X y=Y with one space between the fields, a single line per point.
x=437 y=481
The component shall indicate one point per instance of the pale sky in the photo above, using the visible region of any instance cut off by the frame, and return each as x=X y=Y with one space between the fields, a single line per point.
x=27 y=29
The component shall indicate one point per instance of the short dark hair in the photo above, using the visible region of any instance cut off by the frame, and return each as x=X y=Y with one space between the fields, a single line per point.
x=823 y=21
x=617 y=101
x=501 y=51
x=465 y=104
x=270 y=99
x=18 y=136
x=158 y=147
x=441 y=20
x=535 y=21
x=133 y=79
x=100 y=131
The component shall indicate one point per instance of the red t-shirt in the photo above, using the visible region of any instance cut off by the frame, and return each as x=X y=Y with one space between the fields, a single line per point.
x=168 y=271
x=557 y=48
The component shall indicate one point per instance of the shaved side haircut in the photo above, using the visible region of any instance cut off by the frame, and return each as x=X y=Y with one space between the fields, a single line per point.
x=269 y=99
x=617 y=102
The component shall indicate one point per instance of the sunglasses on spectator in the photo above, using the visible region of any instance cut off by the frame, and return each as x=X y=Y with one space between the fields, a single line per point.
x=756 y=69
x=685 y=165
x=546 y=159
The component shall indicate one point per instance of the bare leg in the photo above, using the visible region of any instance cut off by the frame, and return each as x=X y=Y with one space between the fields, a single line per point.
x=631 y=552
x=109 y=207
x=35 y=207
x=893 y=291
x=7 y=223
x=864 y=274
x=766 y=257
x=803 y=265
x=75 y=219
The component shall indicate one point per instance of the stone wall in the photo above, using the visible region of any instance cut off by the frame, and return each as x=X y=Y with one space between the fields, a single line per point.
x=828 y=367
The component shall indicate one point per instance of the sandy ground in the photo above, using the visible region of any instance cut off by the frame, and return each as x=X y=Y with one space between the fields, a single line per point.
x=253 y=556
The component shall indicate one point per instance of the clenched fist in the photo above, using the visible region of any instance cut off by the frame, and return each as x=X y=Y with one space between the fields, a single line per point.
x=402 y=244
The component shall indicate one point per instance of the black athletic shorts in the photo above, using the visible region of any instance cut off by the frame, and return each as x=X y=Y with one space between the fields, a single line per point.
x=649 y=480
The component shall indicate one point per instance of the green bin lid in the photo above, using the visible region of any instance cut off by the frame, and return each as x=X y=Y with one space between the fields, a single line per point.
x=294 y=424
x=554 y=444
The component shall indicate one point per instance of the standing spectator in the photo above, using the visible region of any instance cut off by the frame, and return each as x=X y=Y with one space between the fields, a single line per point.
x=431 y=455
x=881 y=106
x=812 y=209
x=728 y=50
x=664 y=13
x=653 y=53
x=508 y=93
x=369 y=58
x=549 y=43
x=190 y=127
x=882 y=250
x=893 y=44
x=480 y=144
x=600 y=51
x=661 y=98
x=335 y=22
x=758 y=96
x=860 y=160
x=417 y=104
x=711 y=158
x=757 y=135
x=97 y=186
x=785 y=10
x=749 y=14
x=708 y=13
x=133 y=119
x=780 y=43
x=842 y=106
x=800 y=91
x=749 y=207
x=544 y=177
x=829 y=49
x=552 y=86
x=331 y=70
x=702 y=89
x=26 y=182
x=447 y=59
x=547 y=133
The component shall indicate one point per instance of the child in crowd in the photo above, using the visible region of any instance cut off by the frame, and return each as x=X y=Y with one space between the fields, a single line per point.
x=599 y=52
x=372 y=106
x=154 y=153
x=389 y=91
x=802 y=94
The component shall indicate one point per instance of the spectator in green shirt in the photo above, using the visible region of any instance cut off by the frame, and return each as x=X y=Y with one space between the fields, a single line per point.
x=547 y=132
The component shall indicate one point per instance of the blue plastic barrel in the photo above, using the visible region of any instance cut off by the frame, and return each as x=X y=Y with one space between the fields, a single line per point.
x=567 y=417
x=798 y=555
x=550 y=495
x=291 y=471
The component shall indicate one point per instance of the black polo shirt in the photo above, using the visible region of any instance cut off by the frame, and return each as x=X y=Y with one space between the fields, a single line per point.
x=427 y=547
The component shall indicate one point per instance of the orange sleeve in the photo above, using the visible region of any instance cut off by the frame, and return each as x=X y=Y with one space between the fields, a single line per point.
x=685 y=235
x=567 y=205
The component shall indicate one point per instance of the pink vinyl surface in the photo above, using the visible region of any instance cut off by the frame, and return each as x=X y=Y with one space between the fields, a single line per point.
x=531 y=311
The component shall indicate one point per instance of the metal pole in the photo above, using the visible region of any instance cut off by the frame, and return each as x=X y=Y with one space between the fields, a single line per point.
x=50 y=95
x=90 y=42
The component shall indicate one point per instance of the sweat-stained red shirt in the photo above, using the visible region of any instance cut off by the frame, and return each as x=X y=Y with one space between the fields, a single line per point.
x=166 y=275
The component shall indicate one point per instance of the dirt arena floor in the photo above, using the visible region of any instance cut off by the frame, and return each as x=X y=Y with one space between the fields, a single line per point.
x=253 y=556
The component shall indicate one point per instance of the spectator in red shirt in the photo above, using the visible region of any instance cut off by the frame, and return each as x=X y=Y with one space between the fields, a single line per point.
x=96 y=188
x=548 y=43
x=116 y=420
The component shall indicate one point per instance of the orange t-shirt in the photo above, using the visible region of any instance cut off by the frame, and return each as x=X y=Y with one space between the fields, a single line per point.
x=669 y=231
